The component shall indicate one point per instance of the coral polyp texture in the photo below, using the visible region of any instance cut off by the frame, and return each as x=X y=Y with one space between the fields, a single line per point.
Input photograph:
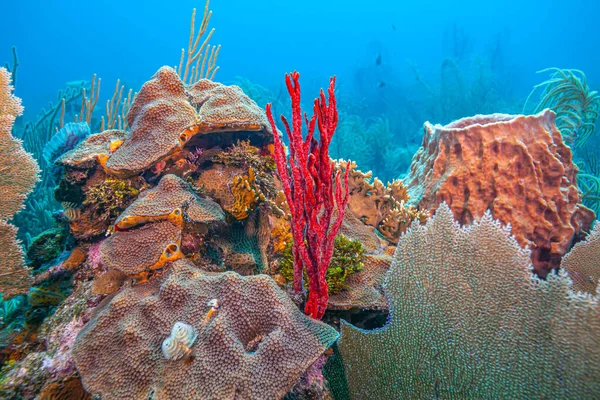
x=159 y=114
x=516 y=166
x=228 y=109
x=85 y=154
x=168 y=115
x=18 y=175
x=582 y=263
x=142 y=249
x=255 y=346
x=172 y=199
x=469 y=320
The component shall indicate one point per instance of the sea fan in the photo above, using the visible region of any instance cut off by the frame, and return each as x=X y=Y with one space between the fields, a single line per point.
x=64 y=140
x=576 y=106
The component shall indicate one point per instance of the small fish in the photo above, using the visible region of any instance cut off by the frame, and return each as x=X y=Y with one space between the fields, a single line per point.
x=71 y=211
x=394 y=27
x=381 y=84
x=378 y=60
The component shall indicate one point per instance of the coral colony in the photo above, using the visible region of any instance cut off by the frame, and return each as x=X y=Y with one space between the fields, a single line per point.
x=180 y=247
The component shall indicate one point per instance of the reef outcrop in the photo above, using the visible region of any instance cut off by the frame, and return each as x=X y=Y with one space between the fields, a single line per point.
x=516 y=166
x=254 y=346
x=167 y=115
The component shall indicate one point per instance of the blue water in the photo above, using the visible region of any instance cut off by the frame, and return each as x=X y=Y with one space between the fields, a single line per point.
x=61 y=41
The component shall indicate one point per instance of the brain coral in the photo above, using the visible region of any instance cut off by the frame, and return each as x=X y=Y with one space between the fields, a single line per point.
x=470 y=321
x=171 y=194
x=148 y=247
x=254 y=347
x=516 y=166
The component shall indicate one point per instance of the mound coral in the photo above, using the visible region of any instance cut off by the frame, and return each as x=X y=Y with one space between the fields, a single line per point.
x=516 y=166
x=470 y=321
x=18 y=175
x=167 y=115
x=86 y=153
x=255 y=346
x=172 y=199
x=146 y=248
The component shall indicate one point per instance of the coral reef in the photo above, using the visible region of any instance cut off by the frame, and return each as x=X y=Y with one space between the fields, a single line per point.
x=255 y=346
x=46 y=247
x=146 y=248
x=516 y=166
x=381 y=206
x=495 y=323
x=86 y=153
x=166 y=116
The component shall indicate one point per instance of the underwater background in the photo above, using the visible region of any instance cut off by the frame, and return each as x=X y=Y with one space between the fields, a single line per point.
x=401 y=68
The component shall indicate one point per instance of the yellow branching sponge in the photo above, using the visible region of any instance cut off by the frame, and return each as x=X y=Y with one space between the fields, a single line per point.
x=470 y=321
x=254 y=345
x=18 y=175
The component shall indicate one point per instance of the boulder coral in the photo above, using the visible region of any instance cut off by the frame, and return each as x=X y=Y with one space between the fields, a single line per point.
x=168 y=115
x=148 y=247
x=255 y=346
x=516 y=166
x=172 y=199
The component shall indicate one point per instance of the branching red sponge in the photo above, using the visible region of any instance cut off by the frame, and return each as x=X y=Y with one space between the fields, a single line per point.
x=313 y=190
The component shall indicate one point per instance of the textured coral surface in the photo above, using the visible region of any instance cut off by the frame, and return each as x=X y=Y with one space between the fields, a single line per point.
x=227 y=108
x=86 y=152
x=18 y=175
x=516 y=166
x=172 y=193
x=255 y=346
x=469 y=321
x=159 y=114
x=582 y=263
x=140 y=249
